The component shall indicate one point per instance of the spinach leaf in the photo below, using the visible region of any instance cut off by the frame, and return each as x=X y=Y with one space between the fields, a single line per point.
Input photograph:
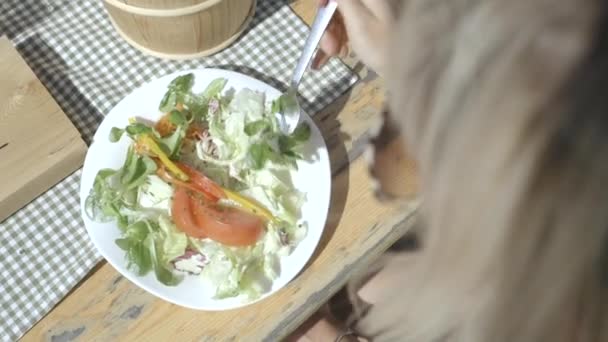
x=137 y=128
x=215 y=88
x=136 y=169
x=260 y=153
x=176 y=93
x=140 y=242
x=163 y=273
x=255 y=127
x=115 y=134
x=172 y=143
x=300 y=135
x=177 y=118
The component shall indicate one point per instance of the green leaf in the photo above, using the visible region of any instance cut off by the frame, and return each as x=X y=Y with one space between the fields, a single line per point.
x=293 y=154
x=137 y=128
x=281 y=103
x=292 y=158
x=172 y=144
x=260 y=153
x=256 y=127
x=163 y=274
x=144 y=167
x=100 y=179
x=129 y=167
x=215 y=87
x=140 y=241
x=139 y=255
x=176 y=92
x=177 y=118
x=197 y=105
x=173 y=241
x=285 y=143
x=168 y=102
x=301 y=133
x=137 y=231
x=136 y=169
x=98 y=203
x=123 y=243
x=133 y=243
x=149 y=164
x=182 y=83
x=276 y=106
x=115 y=134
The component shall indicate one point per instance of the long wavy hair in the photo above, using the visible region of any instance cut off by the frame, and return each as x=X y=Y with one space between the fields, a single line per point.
x=504 y=105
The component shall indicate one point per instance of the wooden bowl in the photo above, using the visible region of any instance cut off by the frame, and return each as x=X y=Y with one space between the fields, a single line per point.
x=180 y=29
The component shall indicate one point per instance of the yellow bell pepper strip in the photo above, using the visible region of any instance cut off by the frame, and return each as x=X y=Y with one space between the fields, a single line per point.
x=146 y=142
x=211 y=189
x=250 y=204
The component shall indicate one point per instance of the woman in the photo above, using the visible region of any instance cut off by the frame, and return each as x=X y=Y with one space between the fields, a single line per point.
x=503 y=104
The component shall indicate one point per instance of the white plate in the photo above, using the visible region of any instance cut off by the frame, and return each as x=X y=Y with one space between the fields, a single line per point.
x=313 y=177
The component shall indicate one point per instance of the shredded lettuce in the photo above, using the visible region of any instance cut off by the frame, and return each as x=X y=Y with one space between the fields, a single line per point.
x=247 y=271
x=174 y=242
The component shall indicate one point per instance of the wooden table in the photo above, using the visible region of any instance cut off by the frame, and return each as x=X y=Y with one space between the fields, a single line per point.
x=106 y=306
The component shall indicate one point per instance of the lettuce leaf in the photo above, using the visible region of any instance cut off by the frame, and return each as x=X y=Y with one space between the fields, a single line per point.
x=146 y=249
x=176 y=93
x=116 y=190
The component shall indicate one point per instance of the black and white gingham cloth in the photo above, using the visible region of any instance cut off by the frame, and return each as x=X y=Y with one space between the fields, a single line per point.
x=88 y=68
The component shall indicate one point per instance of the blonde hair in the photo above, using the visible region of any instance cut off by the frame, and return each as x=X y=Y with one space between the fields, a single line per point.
x=504 y=105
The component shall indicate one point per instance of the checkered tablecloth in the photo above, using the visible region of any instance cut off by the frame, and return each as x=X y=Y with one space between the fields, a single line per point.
x=88 y=68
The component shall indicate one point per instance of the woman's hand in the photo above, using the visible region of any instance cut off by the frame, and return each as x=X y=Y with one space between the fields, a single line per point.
x=365 y=25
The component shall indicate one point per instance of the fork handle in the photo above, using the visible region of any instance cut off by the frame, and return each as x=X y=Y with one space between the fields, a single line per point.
x=317 y=29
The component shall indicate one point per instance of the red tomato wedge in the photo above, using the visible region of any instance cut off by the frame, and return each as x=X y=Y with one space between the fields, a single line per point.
x=182 y=214
x=202 y=182
x=226 y=225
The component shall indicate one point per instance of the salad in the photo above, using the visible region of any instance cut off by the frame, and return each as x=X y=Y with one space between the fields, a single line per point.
x=206 y=191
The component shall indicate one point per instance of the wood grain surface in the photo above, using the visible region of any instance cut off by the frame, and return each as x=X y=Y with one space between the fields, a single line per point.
x=106 y=306
x=39 y=146
x=184 y=32
x=163 y=3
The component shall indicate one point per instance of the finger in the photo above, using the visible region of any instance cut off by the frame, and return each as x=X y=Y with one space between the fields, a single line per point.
x=330 y=43
x=320 y=60
x=345 y=51
x=339 y=30
x=322 y=2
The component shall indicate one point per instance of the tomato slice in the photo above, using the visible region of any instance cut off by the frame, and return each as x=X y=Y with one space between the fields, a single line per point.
x=182 y=214
x=202 y=182
x=227 y=225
